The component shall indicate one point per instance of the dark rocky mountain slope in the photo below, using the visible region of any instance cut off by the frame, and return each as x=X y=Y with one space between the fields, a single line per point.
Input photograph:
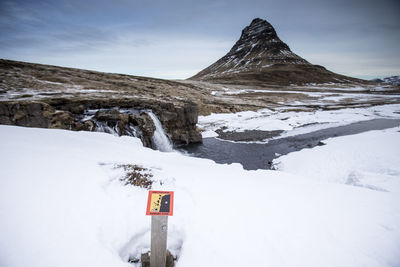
x=259 y=57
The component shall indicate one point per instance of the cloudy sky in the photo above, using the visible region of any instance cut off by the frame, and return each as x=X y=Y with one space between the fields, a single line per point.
x=177 y=38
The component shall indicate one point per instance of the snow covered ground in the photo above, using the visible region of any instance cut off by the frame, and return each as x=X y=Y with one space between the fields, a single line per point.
x=327 y=95
x=293 y=122
x=366 y=163
x=62 y=203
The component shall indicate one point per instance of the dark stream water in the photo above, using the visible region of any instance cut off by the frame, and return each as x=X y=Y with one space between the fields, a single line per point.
x=259 y=156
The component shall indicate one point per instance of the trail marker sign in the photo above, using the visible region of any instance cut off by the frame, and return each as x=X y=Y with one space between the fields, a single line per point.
x=160 y=205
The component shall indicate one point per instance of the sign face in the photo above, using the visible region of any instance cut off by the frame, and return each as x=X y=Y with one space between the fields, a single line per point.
x=160 y=203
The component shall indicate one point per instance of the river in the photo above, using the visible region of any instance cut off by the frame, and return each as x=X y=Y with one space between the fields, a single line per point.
x=259 y=156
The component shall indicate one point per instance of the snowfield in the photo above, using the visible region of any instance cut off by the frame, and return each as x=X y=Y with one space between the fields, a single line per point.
x=366 y=161
x=62 y=203
x=292 y=122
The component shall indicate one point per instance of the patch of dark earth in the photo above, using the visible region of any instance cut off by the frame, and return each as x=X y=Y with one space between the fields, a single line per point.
x=255 y=156
x=247 y=136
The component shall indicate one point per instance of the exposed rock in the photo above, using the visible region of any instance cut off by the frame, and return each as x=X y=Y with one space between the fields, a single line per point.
x=182 y=125
x=259 y=57
x=146 y=126
x=63 y=120
x=19 y=115
x=320 y=143
x=108 y=115
x=258 y=48
x=31 y=114
x=178 y=121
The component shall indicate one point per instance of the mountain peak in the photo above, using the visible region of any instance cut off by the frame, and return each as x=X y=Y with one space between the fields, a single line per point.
x=258 y=28
x=258 y=47
x=260 y=57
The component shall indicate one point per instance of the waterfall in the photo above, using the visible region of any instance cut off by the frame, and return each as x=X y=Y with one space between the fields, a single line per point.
x=110 y=123
x=160 y=139
x=102 y=126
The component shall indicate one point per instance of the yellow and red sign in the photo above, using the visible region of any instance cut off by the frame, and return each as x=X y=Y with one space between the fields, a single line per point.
x=160 y=203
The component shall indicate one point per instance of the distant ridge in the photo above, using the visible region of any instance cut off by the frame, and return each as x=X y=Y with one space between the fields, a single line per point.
x=395 y=80
x=260 y=57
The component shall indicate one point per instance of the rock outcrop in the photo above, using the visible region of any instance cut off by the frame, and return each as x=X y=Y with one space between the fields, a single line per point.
x=115 y=116
x=259 y=57
x=45 y=96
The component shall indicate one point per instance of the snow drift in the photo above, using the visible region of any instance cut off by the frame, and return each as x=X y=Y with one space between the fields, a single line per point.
x=62 y=204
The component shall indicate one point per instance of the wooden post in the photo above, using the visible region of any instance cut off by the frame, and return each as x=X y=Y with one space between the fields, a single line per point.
x=159 y=230
x=160 y=205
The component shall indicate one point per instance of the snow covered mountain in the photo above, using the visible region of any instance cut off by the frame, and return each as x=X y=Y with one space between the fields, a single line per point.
x=259 y=47
x=395 y=80
x=392 y=80
x=260 y=56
